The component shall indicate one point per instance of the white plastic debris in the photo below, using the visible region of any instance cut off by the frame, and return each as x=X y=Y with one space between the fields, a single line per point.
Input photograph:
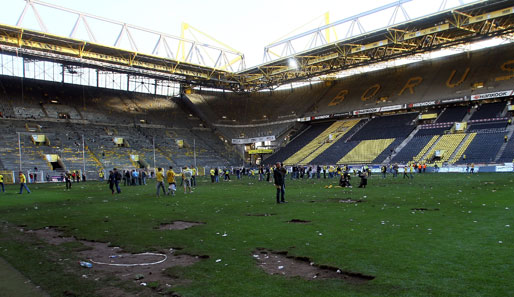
x=280 y=267
x=218 y=260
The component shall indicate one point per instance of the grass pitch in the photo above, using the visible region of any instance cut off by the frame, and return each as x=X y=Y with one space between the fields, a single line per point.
x=435 y=235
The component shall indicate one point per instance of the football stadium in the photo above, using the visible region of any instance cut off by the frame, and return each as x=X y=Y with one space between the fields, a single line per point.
x=368 y=154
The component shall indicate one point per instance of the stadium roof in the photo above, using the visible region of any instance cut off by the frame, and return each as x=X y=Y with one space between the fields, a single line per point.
x=464 y=24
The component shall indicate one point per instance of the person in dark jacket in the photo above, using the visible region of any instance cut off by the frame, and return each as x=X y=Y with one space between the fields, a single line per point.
x=364 y=179
x=279 y=175
x=111 y=181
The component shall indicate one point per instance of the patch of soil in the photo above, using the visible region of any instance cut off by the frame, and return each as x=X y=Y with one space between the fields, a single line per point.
x=425 y=209
x=179 y=225
x=281 y=264
x=346 y=200
x=51 y=235
x=350 y=201
x=142 y=268
x=145 y=269
x=298 y=221
x=260 y=214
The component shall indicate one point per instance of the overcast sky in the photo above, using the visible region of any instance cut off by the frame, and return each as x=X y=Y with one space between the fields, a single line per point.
x=246 y=26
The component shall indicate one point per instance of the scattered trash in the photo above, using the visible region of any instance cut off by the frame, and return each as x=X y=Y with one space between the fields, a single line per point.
x=280 y=267
x=139 y=276
x=85 y=264
x=143 y=284
x=500 y=241
x=218 y=260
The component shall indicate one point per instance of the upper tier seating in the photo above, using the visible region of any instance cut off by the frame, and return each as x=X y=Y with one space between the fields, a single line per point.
x=432 y=131
x=453 y=114
x=387 y=127
x=490 y=126
x=488 y=111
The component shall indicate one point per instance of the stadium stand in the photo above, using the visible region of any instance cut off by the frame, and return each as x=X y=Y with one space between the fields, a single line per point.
x=453 y=114
x=488 y=111
x=66 y=113
x=432 y=131
x=447 y=144
x=489 y=126
x=508 y=154
x=388 y=151
x=482 y=149
x=319 y=144
x=298 y=142
x=462 y=148
x=417 y=146
x=366 y=151
x=393 y=126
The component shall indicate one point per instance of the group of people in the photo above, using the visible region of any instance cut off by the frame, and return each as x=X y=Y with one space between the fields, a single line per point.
x=408 y=170
x=188 y=180
x=134 y=177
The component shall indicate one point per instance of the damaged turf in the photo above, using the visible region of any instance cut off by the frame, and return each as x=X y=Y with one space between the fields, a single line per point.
x=145 y=269
x=281 y=264
x=179 y=225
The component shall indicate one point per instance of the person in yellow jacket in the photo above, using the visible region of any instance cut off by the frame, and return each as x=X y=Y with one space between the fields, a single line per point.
x=159 y=178
x=213 y=174
x=170 y=178
x=23 y=183
x=2 y=182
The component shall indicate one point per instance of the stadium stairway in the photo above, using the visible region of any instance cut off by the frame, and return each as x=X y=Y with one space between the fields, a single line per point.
x=483 y=148
x=342 y=130
x=447 y=143
x=340 y=148
x=366 y=151
x=388 y=151
x=315 y=143
x=400 y=146
x=462 y=148
x=499 y=155
x=421 y=155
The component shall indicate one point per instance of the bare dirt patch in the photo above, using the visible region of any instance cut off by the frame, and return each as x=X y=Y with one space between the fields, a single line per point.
x=425 y=209
x=144 y=269
x=350 y=201
x=51 y=235
x=281 y=264
x=298 y=221
x=338 y=200
x=260 y=214
x=179 y=225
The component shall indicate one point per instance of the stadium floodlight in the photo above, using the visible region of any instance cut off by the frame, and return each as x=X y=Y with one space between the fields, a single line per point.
x=293 y=64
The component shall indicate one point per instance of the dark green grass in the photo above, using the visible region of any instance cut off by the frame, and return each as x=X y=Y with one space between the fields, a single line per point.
x=453 y=251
